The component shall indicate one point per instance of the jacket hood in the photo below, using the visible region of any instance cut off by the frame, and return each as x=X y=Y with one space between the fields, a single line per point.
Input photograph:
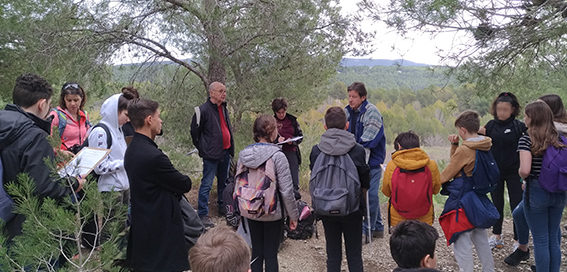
x=256 y=154
x=15 y=122
x=410 y=159
x=336 y=142
x=561 y=128
x=109 y=111
x=481 y=143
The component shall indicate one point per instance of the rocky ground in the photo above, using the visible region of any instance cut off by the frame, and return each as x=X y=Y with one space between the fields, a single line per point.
x=309 y=255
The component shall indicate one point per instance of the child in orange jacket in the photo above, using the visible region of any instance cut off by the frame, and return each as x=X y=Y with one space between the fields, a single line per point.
x=408 y=157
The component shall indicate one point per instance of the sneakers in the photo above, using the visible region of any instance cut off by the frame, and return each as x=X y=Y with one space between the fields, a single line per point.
x=377 y=234
x=207 y=222
x=493 y=242
x=517 y=257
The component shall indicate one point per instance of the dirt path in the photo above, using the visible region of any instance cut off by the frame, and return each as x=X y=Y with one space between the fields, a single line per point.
x=309 y=255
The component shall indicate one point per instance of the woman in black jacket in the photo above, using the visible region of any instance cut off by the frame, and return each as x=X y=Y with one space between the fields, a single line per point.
x=505 y=131
x=288 y=128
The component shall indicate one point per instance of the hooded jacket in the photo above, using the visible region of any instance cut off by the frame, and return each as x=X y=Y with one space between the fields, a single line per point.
x=253 y=156
x=113 y=176
x=410 y=159
x=338 y=142
x=23 y=147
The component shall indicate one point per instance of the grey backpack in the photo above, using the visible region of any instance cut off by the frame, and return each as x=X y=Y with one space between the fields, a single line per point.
x=334 y=185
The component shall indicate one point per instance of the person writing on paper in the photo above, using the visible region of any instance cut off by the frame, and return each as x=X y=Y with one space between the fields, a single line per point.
x=24 y=145
x=288 y=128
x=156 y=238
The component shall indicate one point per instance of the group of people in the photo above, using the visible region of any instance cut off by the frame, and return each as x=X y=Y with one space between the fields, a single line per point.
x=142 y=177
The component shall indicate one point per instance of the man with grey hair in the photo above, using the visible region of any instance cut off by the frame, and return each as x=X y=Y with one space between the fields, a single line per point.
x=212 y=136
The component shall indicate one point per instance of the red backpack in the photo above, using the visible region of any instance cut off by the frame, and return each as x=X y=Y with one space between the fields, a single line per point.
x=412 y=192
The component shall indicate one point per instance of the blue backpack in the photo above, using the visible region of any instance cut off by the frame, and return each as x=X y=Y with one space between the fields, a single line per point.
x=553 y=175
x=6 y=202
x=486 y=174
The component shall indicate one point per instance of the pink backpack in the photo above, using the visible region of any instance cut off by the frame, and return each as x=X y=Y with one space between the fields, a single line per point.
x=255 y=191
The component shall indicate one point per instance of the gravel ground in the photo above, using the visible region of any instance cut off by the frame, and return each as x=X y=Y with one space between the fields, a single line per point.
x=309 y=255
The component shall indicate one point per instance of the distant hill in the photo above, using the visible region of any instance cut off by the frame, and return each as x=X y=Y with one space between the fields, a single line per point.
x=375 y=73
x=349 y=62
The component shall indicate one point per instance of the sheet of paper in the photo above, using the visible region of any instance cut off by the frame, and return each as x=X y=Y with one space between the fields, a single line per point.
x=84 y=162
x=291 y=140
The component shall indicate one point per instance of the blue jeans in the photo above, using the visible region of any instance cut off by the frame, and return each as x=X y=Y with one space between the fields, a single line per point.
x=374 y=202
x=210 y=169
x=520 y=224
x=543 y=215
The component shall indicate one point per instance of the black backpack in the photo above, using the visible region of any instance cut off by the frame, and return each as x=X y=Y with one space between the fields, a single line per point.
x=305 y=226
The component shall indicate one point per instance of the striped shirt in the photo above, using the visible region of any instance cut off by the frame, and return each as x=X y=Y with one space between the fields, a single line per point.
x=525 y=144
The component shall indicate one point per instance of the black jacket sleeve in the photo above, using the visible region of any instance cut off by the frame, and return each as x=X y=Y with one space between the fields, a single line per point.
x=33 y=163
x=313 y=156
x=358 y=156
x=168 y=177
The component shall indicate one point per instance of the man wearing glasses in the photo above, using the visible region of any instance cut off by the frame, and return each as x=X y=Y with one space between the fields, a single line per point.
x=212 y=136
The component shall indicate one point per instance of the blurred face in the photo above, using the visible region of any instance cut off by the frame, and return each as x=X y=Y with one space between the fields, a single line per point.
x=354 y=100
x=281 y=114
x=218 y=94
x=504 y=110
x=123 y=117
x=73 y=102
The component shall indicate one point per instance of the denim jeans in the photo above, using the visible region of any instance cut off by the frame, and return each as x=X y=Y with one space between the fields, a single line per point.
x=374 y=202
x=543 y=215
x=520 y=224
x=210 y=169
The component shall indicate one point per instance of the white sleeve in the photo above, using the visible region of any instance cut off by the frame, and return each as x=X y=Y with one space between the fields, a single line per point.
x=97 y=138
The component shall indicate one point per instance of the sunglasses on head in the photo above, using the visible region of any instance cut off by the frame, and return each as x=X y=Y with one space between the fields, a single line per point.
x=74 y=86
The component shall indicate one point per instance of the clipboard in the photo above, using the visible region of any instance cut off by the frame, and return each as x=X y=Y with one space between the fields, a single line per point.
x=291 y=140
x=84 y=162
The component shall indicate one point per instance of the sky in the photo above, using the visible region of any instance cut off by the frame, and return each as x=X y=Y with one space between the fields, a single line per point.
x=415 y=46
x=388 y=44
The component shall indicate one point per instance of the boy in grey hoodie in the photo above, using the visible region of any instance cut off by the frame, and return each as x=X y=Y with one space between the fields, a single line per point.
x=338 y=141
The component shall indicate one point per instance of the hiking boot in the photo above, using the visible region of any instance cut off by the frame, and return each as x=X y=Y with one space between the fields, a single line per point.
x=377 y=234
x=517 y=257
x=494 y=242
x=207 y=222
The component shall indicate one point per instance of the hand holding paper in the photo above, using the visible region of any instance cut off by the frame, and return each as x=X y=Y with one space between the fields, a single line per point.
x=291 y=140
x=84 y=162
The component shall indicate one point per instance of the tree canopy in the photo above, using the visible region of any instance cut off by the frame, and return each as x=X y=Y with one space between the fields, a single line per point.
x=504 y=38
x=259 y=49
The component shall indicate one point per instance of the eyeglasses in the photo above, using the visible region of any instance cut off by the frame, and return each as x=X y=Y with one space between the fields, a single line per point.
x=71 y=86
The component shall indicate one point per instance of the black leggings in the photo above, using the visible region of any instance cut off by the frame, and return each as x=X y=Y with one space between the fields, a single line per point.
x=265 y=238
x=514 y=186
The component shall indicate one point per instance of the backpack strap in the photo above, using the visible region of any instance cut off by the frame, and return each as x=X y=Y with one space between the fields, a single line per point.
x=62 y=121
x=108 y=135
x=198 y=115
